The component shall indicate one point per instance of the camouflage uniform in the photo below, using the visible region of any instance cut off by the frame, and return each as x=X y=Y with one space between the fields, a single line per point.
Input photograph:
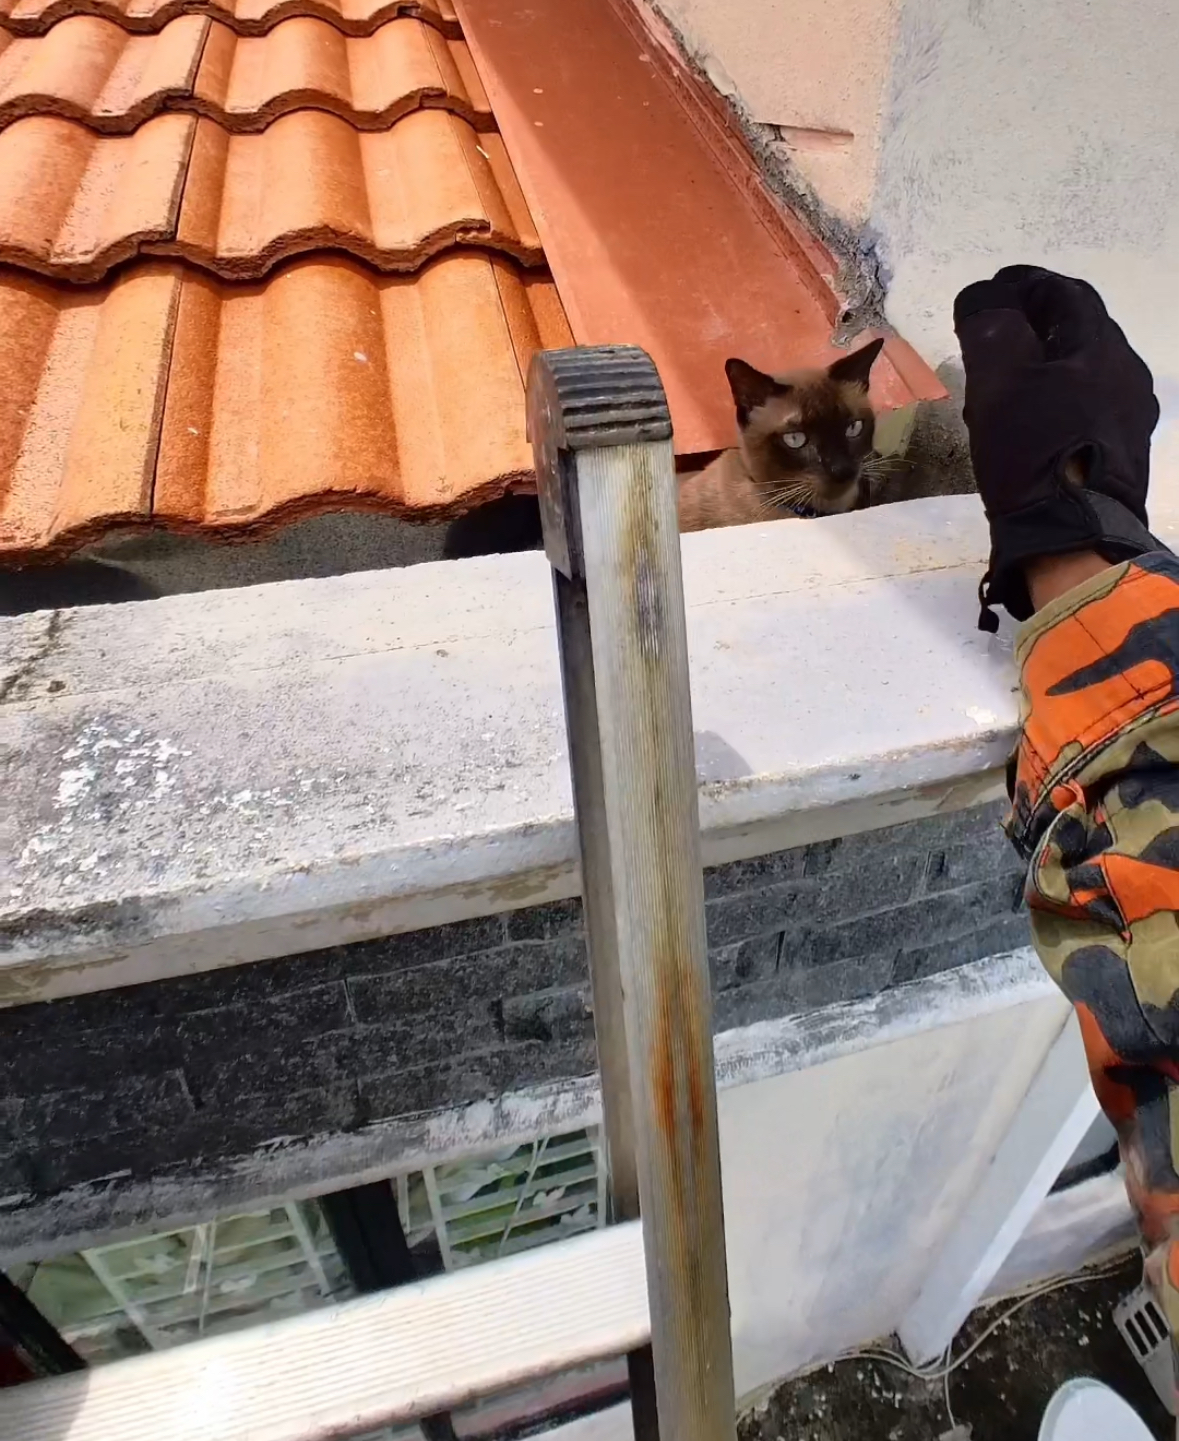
x=1095 y=810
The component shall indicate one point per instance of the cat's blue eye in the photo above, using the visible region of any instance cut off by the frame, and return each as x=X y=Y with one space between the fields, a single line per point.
x=795 y=439
x=854 y=429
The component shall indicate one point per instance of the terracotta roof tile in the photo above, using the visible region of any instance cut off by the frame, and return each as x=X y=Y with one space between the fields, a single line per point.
x=92 y=70
x=72 y=203
x=81 y=398
x=323 y=388
x=310 y=180
x=247 y=17
x=246 y=82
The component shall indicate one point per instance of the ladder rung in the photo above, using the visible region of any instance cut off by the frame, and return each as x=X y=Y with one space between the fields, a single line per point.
x=380 y=1361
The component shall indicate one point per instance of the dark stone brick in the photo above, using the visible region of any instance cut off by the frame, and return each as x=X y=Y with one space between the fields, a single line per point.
x=511 y=970
x=746 y=1005
x=17 y=1179
x=546 y=923
x=811 y=986
x=755 y=960
x=754 y=874
x=142 y=1007
x=337 y=1058
x=801 y=989
x=147 y=1152
x=261 y=981
x=972 y=861
x=561 y=1016
x=10 y=1127
x=931 y=832
x=758 y=912
x=123 y=1103
x=45 y=1058
x=989 y=940
x=419 y=948
x=473 y=1078
x=885 y=880
x=278 y=1115
x=945 y=916
x=302 y=1063
x=264 y=1026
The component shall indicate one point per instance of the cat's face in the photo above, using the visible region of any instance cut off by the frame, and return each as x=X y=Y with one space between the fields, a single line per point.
x=805 y=436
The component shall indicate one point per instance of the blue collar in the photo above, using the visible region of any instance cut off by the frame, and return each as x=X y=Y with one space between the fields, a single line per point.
x=804 y=511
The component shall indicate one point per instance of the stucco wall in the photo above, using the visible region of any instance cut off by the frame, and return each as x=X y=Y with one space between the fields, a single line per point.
x=816 y=70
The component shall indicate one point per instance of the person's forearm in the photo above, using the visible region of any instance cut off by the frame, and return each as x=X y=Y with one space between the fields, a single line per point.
x=1051 y=575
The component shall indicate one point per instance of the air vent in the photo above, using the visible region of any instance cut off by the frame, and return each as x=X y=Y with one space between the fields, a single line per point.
x=1138 y=1318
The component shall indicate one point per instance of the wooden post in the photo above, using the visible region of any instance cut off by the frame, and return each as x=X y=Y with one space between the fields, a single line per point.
x=601 y=437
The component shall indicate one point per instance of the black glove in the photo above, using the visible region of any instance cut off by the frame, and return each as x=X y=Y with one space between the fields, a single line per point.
x=1060 y=412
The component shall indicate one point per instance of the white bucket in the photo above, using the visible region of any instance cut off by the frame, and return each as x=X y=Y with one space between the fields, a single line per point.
x=1085 y=1410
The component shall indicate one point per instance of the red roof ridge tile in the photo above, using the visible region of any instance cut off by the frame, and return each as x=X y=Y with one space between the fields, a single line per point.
x=246 y=17
x=89 y=69
x=657 y=231
x=228 y=409
x=73 y=204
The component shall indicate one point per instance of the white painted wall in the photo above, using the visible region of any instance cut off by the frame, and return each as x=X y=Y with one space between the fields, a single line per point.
x=1044 y=133
x=843 y=1180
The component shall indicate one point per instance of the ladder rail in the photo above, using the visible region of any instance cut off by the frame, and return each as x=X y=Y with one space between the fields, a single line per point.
x=601 y=437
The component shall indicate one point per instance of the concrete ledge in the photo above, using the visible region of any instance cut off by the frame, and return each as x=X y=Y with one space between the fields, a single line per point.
x=218 y=778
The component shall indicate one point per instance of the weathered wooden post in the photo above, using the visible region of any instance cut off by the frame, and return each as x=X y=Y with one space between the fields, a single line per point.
x=601 y=438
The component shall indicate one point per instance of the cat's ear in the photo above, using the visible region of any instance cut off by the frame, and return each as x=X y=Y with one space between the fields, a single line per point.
x=854 y=369
x=750 y=387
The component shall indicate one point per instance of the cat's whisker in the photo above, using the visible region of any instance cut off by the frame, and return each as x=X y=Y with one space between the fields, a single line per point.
x=789 y=495
x=885 y=464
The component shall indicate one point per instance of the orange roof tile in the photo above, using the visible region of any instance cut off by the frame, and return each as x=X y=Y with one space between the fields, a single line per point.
x=172 y=396
x=246 y=82
x=310 y=181
x=81 y=394
x=72 y=203
x=92 y=70
x=246 y=17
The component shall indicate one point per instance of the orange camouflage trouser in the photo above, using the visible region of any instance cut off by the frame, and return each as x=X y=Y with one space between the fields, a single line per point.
x=1095 y=811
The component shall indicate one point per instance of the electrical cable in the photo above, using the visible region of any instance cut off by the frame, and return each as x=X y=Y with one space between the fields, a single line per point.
x=947 y=1366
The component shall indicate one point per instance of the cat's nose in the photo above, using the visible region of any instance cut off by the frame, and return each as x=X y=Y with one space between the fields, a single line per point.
x=844 y=474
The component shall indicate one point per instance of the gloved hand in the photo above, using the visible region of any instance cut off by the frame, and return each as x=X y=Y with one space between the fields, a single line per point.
x=1060 y=412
